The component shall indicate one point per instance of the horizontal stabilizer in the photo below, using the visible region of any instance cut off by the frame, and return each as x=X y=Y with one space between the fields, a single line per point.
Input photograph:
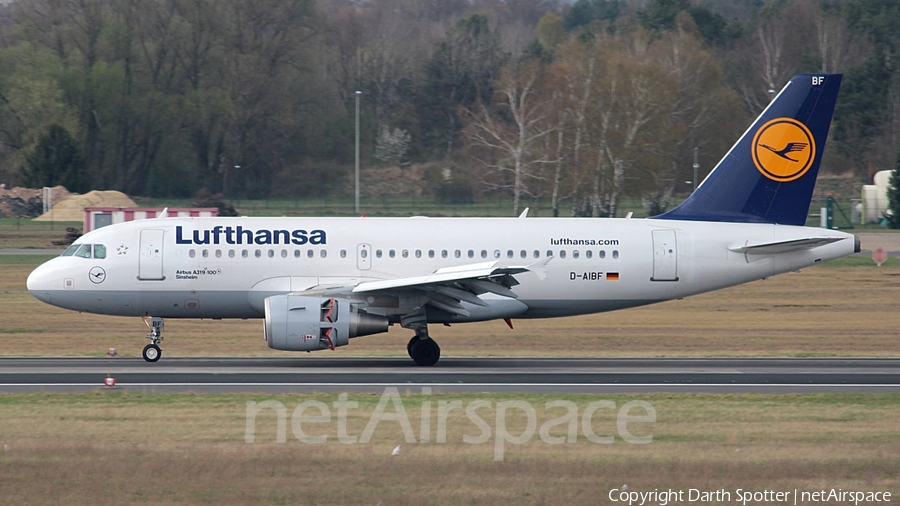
x=773 y=248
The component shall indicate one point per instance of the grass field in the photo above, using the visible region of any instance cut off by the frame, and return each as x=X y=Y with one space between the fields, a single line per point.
x=126 y=448
x=843 y=308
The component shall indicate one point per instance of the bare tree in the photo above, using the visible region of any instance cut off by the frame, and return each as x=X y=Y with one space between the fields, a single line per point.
x=510 y=136
x=770 y=54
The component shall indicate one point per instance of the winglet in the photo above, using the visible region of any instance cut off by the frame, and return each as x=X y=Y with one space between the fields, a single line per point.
x=538 y=268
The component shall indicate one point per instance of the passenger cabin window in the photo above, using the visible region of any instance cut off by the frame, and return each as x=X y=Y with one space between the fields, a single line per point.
x=615 y=253
x=296 y=253
x=602 y=253
x=562 y=253
x=588 y=254
x=343 y=253
x=405 y=254
x=192 y=253
x=575 y=254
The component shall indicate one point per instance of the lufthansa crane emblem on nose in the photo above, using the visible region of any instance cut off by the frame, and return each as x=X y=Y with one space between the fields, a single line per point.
x=97 y=275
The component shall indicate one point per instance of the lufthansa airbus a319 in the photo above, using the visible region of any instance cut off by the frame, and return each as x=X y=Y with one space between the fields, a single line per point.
x=319 y=282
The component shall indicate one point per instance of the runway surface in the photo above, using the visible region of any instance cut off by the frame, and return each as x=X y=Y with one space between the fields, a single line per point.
x=539 y=375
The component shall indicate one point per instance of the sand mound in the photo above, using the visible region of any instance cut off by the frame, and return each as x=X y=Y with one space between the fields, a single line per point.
x=72 y=208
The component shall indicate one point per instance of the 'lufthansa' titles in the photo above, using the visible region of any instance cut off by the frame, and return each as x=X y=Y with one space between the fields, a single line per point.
x=241 y=235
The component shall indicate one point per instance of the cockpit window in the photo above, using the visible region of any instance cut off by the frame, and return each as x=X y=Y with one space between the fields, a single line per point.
x=84 y=251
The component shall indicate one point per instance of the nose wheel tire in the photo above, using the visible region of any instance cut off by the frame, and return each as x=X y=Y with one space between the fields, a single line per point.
x=151 y=353
x=425 y=352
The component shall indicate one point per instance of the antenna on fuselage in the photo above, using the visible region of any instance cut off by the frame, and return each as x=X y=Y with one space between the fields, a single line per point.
x=164 y=213
x=524 y=213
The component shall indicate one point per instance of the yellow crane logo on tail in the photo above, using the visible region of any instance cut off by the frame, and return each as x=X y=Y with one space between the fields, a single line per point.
x=783 y=149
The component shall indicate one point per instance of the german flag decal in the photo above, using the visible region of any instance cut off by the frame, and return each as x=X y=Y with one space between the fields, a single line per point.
x=612 y=276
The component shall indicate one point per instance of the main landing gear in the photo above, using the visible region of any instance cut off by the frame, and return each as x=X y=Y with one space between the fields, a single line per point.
x=152 y=352
x=421 y=348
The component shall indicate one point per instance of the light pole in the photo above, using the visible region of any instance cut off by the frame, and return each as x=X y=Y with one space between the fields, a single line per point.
x=696 y=167
x=356 y=206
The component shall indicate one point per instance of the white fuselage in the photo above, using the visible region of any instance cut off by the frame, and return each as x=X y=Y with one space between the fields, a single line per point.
x=204 y=268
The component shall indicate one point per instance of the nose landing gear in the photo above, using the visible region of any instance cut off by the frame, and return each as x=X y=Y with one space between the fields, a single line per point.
x=152 y=352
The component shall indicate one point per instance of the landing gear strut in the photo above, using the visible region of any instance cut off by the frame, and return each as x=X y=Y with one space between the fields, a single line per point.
x=152 y=352
x=421 y=348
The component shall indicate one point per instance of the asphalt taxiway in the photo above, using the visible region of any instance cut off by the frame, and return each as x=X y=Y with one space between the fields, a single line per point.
x=539 y=375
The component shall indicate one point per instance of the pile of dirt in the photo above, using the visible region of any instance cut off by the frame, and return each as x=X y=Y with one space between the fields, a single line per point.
x=72 y=209
x=27 y=202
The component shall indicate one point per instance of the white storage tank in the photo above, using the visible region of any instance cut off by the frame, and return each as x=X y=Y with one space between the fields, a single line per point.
x=874 y=197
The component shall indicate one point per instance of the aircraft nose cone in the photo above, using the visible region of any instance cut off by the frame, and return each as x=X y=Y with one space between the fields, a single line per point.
x=39 y=282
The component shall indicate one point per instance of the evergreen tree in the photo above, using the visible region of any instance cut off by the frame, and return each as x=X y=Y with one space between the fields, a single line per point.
x=894 y=195
x=584 y=12
x=459 y=73
x=56 y=160
x=660 y=15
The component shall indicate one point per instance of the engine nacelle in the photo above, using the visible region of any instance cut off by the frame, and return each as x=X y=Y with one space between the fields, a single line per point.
x=298 y=323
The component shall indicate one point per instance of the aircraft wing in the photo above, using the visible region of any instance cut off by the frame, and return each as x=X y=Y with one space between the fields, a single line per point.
x=447 y=288
x=773 y=248
x=486 y=270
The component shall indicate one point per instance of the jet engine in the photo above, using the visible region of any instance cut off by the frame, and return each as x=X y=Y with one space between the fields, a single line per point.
x=300 y=323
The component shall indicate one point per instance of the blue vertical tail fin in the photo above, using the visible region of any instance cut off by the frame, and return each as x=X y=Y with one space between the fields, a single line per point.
x=768 y=176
